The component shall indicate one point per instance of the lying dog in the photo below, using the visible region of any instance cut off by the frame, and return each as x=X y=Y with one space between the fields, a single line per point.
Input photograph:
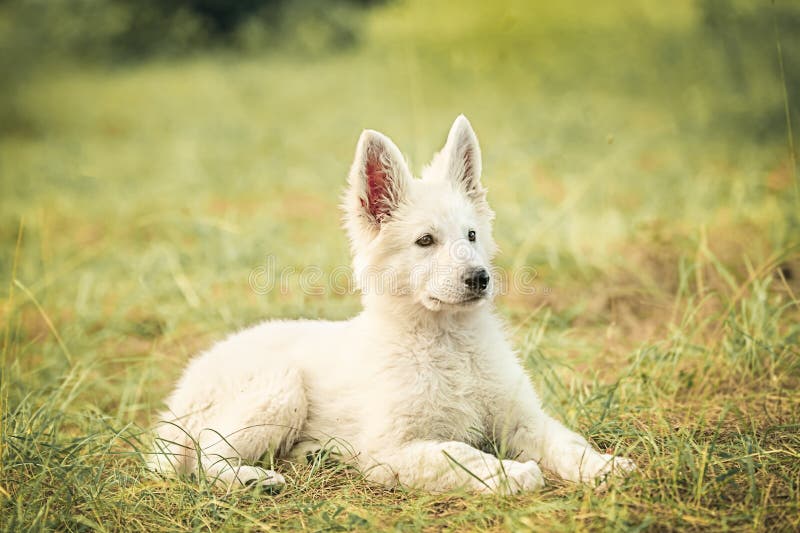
x=411 y=389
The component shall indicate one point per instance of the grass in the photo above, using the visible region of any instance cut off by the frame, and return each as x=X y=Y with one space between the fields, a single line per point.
x=136 y=201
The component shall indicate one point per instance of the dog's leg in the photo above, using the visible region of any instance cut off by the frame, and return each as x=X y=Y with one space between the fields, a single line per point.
x=527 y=430
x=444 y=466
x=263 y=415
x=565 y=452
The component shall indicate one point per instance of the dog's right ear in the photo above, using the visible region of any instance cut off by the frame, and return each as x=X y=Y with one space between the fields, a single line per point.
x=464 y=158
x=379 y=180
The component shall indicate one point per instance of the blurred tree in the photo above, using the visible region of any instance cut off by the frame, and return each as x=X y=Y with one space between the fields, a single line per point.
x=746 y=35
x=42 y=33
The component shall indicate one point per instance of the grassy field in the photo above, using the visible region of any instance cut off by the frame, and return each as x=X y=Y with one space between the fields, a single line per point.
x=654 y=195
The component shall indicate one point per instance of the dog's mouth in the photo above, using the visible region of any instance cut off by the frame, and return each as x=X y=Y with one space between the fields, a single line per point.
x=465 y=302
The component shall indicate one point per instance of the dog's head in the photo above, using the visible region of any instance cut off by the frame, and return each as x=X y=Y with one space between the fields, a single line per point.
x=429 y=239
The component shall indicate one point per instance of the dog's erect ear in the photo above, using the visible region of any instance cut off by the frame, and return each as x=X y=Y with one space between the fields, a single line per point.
x=464 y=157
x=378 y=180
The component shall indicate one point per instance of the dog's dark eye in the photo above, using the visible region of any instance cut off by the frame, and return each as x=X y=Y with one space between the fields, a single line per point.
x=471 y=235
x=425 y=240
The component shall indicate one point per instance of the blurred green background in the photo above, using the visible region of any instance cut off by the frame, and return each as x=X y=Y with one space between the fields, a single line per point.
x=639 y=154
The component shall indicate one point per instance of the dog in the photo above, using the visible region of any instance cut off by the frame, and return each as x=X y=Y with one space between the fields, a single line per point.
x=414 y=389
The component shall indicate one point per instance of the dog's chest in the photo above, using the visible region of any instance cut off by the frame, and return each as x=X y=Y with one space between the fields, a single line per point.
x=446 y=392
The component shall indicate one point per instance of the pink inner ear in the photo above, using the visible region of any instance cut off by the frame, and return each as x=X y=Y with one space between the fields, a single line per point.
x=377 y=190
x=467 y=176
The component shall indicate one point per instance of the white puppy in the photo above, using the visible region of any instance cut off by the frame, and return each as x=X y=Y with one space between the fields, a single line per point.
x=412 y=389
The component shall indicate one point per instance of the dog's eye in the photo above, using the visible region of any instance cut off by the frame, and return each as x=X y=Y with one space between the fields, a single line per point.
x=425 y=240
x=471 y=235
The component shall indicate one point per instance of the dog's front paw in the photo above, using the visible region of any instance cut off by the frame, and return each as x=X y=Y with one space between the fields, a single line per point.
x=598 y=467
x=267 y=480
x=523 y=477
x=516 y=477
x=253 y=476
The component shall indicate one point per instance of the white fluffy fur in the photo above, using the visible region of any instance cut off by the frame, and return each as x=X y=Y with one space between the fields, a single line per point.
x=408 y=390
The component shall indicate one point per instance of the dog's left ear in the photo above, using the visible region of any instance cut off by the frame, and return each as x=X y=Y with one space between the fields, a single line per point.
x=464 y=158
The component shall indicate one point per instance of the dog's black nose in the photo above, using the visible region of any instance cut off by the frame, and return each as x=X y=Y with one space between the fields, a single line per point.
x=477 y=280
